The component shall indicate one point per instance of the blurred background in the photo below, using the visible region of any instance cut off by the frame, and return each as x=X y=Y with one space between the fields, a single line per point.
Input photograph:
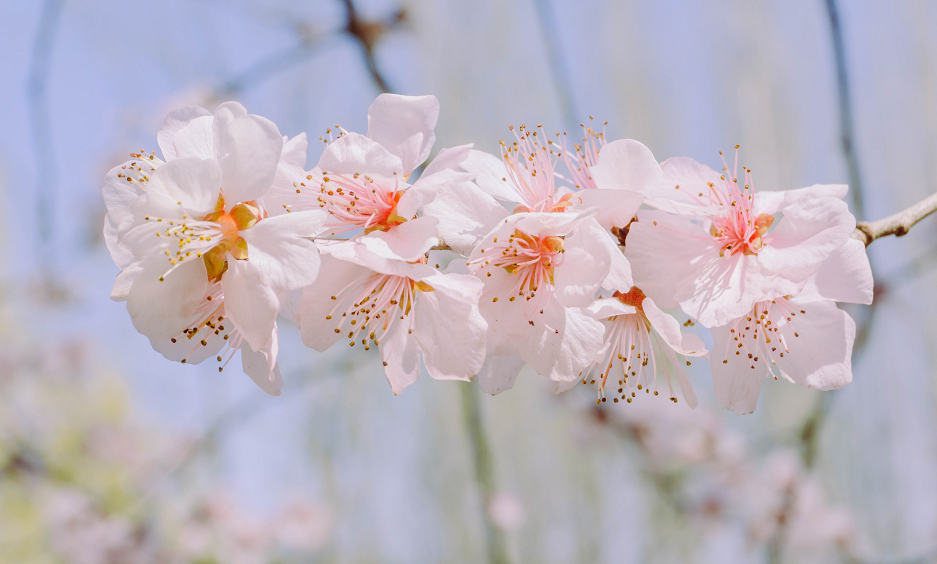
x=111 y=454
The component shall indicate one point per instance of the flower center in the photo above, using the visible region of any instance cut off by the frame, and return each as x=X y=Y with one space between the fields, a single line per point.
x=759 y=334
x=739 y=234
x=372 y=304
x=634 y=354
x=360 y=201
x=531 y=262
x=210 y=237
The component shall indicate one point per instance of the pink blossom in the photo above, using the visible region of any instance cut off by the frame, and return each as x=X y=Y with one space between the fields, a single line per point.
x=804 y=337
x=724 y=247
x=206 y=270
x=540 y=270
x=361 y=180
x=378 y=290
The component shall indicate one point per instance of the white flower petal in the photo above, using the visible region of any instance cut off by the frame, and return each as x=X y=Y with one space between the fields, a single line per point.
x=612 y=208
x=845 y=276
x=162 y=309
x=224 y=114
x=821 y=354
x=736 y=384
x=448 y=159
x=183 y=134
x=251 y=304
x=194 y=183
x=627 y=164
x=771 y=202
x=448 y=327
x=407 y=241
x=354 y=153
x=426 y=189
x=809 y=232
x=280 y=249
x=124 y=281
x=401 y=355
x=248 y=154
x=585 y=263
x=668 y=328
x=498 y=373
x=261 y=365
x=465 y=214
x=404 y=126
x=608 y=307
x=491 y=176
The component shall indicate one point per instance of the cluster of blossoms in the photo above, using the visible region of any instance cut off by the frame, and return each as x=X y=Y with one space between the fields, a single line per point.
x=568 y=270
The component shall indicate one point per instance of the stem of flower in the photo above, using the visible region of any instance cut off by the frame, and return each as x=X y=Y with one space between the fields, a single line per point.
x=484 y=471
x=896 y=224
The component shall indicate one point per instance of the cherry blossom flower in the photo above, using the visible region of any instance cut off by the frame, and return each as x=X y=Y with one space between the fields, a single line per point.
x=641 y=343
x=526 y=174
x=209 y=268
x=378 y=290
x=729 y=247
x=361 y=180
x=804 y=338
x=540 y=270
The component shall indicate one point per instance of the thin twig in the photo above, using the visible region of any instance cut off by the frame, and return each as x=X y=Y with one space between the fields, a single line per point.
x=46 y=175
x=896 y=224
x=270 y=65
x=847 y=137
x=368 y=34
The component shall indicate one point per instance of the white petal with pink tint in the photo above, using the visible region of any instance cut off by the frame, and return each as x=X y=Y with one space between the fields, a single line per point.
x=261 y=365
x=846 y=276
x=248 y=154
x=449 y=328
x=161 y=309
x=250 y=303
x=450 y=158
x=404 y=126
x=186 y=132
x=807 y=342
x=354 y=153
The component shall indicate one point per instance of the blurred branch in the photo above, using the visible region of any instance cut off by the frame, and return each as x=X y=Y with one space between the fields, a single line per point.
x=368 y=34
x=897 y=224
x=46 y=175
x=272 y=64
x=845 y=110
x=561 y=80
x=484 y=470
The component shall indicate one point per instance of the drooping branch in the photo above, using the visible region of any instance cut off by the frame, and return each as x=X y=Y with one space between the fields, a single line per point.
x=896 y=224
x=40 y=123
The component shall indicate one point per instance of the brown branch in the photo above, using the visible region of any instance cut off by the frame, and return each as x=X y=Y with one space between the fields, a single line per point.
x=368 y=34
x=896 y=224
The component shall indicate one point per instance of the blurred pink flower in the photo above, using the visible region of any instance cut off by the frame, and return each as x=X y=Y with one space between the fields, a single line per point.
x=507 y=511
